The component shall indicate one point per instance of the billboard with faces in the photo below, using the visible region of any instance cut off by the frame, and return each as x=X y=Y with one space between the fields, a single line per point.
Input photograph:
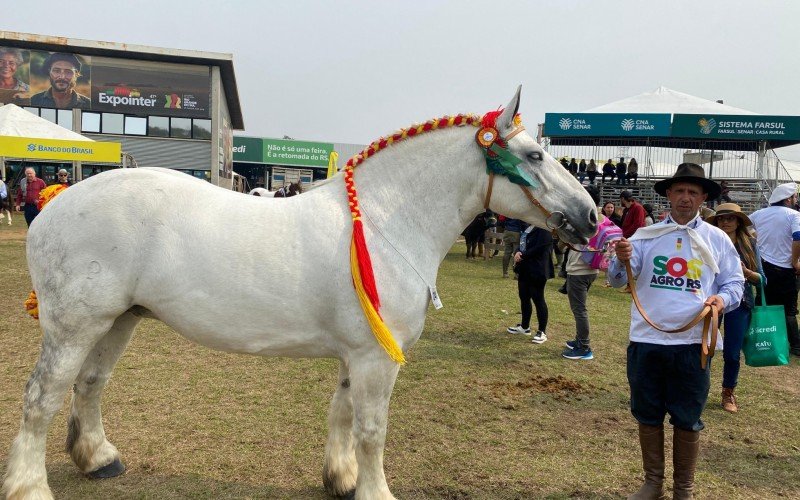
x=105 y=84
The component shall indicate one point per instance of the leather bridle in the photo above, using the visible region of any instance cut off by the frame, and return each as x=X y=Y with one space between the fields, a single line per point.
x=547 y=213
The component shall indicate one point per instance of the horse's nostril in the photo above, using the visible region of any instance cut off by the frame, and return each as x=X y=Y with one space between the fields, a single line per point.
x=593 y=217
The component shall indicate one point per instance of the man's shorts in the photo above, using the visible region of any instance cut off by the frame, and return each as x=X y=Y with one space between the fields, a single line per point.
x=668 y=379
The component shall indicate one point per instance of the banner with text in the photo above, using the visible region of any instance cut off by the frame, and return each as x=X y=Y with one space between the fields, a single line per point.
x=753 y=127
x=606 y=124
x=65 y=80
x=53 y=149
x=282 y=152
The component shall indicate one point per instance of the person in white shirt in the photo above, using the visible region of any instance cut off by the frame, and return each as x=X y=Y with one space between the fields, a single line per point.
x=680 y=265
x=778 y=231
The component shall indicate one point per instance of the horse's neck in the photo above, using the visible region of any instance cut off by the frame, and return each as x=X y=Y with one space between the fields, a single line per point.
x=421 y=193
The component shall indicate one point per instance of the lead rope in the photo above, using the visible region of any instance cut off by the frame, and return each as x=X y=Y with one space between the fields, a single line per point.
x=710 y=323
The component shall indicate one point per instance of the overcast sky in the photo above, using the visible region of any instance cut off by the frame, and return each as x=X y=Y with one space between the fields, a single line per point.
x=351 y=71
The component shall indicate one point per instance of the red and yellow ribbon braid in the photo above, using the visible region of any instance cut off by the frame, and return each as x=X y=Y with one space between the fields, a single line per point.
x=360 y=261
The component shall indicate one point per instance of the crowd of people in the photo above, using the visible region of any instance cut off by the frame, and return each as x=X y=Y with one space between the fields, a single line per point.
x=624 y=173
x=28 y=191
x=692 y=257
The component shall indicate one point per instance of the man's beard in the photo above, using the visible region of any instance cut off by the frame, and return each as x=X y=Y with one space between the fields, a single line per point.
x=61 y=84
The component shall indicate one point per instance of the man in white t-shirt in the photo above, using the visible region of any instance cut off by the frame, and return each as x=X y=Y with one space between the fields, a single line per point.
x=778 y=240
x=680 y=265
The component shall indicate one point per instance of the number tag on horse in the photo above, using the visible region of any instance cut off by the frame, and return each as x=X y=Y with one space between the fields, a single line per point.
x=437 y=302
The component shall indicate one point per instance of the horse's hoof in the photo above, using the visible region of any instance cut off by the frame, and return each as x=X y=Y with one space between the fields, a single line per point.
x=350 y=495
x=113 y=469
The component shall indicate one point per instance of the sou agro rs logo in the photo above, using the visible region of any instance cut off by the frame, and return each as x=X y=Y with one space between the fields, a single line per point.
x=676 y=273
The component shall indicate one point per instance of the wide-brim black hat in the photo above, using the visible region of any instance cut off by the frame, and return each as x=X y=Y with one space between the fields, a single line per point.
x=689 y=172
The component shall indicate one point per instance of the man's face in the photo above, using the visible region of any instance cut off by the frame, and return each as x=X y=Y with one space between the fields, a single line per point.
x=685 y=199
x=625 y=203
x=30 y=175
x=62 y=76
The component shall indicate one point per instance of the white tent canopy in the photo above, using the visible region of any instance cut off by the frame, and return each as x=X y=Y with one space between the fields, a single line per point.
x=16 y=122
x=664 y=100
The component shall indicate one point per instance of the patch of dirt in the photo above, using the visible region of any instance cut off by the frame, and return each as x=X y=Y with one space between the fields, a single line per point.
x=509 y=394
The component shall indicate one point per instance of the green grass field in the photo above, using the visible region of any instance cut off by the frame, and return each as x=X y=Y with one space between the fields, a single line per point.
x=476 y=413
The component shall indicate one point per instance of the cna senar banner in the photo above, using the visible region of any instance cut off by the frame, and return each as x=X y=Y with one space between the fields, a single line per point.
x=753 y=127
x=54 y=149
x=65 y=80
x=607 y=124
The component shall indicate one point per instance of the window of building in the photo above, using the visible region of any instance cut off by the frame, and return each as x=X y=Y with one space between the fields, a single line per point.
x=135 y=125
x=158 y=126
x=48 y=114
x=113 y=123
x=201 y=129
x=180 y=128
x=90 y=122
x=65 y=118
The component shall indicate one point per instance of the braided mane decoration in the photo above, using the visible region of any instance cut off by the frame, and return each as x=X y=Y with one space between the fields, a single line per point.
x=360 y=262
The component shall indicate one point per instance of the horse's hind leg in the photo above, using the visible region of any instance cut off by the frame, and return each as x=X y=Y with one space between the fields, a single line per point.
x=371 y=382
x=64 y=349
x=340 y=471
x=86 y=438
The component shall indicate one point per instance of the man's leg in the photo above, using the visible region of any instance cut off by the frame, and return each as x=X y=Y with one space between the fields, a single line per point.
x=577 y=292
x=30 y=213
x=686 y=398
x=646 y=380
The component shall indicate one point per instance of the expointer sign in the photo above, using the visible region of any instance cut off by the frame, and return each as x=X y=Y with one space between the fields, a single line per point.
x=607 y=124
x=53 y=149
x=752 y=127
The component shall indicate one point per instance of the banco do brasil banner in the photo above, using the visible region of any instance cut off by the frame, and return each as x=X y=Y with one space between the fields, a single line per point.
x=30 y=77
x=606 y=124
x=752 y=127
x=281 y=152
x=54 y=149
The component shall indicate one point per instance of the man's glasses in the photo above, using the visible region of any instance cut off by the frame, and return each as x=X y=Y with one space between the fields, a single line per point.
x=62 y=72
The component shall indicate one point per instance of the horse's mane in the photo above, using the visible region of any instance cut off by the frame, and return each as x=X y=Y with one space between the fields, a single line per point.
x=412 y=131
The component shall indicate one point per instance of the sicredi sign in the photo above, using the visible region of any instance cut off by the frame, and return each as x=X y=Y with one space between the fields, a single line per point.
x=753 y=127
x=282 y=152
x=606 y=124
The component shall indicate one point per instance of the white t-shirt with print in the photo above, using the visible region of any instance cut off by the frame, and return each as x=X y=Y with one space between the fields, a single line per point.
x=672 y=284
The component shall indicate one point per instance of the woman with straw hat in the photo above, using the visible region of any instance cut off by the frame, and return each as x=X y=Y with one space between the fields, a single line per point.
x=729 y=218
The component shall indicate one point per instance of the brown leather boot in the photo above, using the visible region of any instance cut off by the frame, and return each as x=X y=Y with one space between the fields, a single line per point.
x=685 y=449
x=651 y=440
x=729 y=400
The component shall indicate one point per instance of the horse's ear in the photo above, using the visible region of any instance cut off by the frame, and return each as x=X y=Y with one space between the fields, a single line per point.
x=505 y=121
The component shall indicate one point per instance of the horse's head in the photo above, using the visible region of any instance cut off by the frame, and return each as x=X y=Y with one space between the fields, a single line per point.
x=554 y=198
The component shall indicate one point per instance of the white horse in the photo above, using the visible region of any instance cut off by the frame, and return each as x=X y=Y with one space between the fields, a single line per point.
x=129 y=243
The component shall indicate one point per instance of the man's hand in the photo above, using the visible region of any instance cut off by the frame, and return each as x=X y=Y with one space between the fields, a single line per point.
x=624 y=250
x=517 y=257
x=715 y=300
x=796 y=266
x=17 y=208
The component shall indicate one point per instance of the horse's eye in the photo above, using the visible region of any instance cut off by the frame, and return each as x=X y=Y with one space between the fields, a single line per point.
x=535 y=156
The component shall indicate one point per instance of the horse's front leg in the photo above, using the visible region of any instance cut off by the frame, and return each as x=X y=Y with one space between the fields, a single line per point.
x=372 y=379
x=341 y=469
